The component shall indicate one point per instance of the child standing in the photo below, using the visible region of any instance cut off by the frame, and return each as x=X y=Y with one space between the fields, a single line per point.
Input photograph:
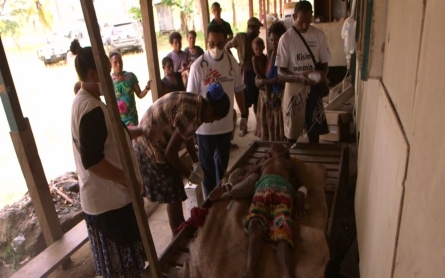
x=172 y=80
x=181 y=59
x=259 y=60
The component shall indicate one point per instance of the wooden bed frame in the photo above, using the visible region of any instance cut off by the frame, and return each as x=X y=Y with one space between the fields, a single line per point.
x=333 y=156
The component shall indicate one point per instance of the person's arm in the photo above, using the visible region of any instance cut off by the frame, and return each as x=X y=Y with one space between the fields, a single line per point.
x=231 y=43
x=190 y=146
x=144 y=92
x=299 y=196
x=92 y=136
x=134 y=131
x=286 y=75
x=229 y=32
x=172 y=154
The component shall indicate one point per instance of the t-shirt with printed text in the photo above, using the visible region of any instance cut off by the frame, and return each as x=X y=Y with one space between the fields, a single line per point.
x=226 y=71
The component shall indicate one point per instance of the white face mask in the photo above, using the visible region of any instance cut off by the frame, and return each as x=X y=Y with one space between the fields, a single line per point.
x=216 y=53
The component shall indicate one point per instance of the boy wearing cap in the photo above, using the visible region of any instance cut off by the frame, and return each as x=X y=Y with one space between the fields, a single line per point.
x=243 y=43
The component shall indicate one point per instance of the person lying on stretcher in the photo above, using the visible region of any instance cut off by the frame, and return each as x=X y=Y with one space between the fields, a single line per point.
x=274 y=200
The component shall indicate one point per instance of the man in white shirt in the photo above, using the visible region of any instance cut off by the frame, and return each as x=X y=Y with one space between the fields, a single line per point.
x=295 y=63
x=215 y=65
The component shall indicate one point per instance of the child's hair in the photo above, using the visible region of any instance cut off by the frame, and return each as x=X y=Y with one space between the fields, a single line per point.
x=174 y=35
x=165 y=60
x=114 y=53
x=77 y=87
x=216 y=4
x=258 y=42
x=75 y=47
x=191 y=32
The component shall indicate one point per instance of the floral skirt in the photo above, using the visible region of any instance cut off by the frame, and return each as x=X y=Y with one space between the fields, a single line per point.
x=116 y=243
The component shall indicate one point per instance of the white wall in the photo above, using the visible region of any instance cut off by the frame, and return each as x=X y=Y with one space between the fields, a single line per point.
x=401 y=173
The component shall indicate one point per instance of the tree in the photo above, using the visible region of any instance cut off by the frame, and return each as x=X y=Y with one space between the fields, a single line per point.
x=234 y=13
x=23 y=11
x=135 y=13
x=186 y=8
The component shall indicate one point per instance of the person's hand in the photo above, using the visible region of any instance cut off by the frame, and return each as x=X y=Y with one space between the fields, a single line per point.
x=259 y=82
x=216 y=193
x=148 y=86
x=243 y=127
x=300 y=209
x=198 y=169
x=195 y=178
x=306 y=80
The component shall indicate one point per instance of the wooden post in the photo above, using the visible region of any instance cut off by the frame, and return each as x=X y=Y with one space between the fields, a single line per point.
x=28 y=155
x=261 y=8
x=205 y=18
x=275 y=7
x=151 y=48
x=280 y=15
x=124 y=152
x=267 y=7
x=250 y=8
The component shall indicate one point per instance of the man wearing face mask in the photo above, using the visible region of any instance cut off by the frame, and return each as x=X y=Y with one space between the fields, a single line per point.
x=215 y=65
x=242 y=42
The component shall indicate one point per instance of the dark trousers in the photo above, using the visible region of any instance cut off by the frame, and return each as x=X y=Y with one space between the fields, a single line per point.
x=214 y=151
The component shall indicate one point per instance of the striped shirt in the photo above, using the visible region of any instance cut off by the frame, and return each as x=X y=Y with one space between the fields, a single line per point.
x=176 y=111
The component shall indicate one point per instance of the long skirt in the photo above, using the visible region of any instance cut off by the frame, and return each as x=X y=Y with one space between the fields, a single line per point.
x=116 y=243
x=270 y=125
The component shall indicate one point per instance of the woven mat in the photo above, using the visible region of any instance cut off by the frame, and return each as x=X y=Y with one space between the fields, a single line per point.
x=219 y=248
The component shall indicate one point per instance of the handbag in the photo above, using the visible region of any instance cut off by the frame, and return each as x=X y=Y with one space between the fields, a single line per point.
x=322 y=88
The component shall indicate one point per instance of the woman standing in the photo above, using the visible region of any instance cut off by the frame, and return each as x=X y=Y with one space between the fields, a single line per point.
x=126 y=85
x=112 y=226
x=193 y=50
x=270 y=125
x=170 y=123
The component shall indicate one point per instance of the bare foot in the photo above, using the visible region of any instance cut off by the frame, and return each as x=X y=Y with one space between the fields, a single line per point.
x=216 y=193
x=242 y=133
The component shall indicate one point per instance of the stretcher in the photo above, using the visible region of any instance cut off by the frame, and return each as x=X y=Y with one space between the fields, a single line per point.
x=334 y=158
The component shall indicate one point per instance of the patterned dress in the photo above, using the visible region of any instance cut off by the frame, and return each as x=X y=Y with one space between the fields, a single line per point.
x=270 y=125
x=126 y=102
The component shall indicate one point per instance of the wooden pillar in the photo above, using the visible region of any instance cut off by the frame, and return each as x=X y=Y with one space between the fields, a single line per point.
x=267 y=7
x=261 y=9
x=28 y=155
x=275 y=7
x=250 y=8
x=205 y=10
x=124 y=152
x=151 y=48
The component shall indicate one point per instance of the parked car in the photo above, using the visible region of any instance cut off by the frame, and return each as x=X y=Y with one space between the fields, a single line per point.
x=127 y=36
x=54 y=51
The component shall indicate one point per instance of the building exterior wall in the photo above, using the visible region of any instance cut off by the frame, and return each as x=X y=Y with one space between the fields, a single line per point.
x=400 y=185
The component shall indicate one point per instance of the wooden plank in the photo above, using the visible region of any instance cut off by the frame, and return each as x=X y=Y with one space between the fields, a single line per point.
x=151 y=48
x=340 y=99
x=102 y=64
x=304 y=158
x=182 y=238
x=205 y=11
x=177 y=258
x=29 y=160
x=343 y=161
x=51 y=257
x=8 y=95
x=28 y=156
x=332 y=174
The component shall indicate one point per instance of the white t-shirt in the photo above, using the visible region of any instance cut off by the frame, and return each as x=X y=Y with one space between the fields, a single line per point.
x=98 y=195
x=293 y=54
x=227 y=72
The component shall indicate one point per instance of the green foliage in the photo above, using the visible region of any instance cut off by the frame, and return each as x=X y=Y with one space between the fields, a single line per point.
x=9 y=28
x=135 y=13
x=186 y=7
